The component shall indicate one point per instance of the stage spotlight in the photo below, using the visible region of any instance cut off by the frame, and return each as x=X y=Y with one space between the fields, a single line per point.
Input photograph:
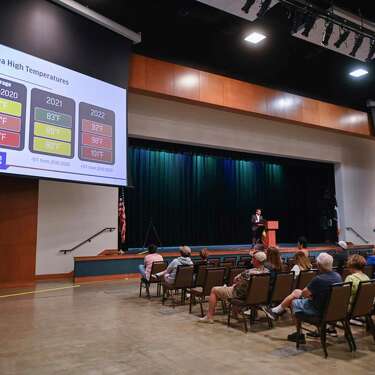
x=248 y=5
x=371 y=52
x=309 y=24
x=264 y=7
x=342 y=38
x=357 y=43
x=327 y=33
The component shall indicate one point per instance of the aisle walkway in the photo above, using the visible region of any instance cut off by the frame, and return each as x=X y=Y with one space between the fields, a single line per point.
x=104 y=328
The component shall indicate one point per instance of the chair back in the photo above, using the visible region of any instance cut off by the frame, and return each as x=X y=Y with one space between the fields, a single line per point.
x=233 y=272
x=257 y=292
x=214 y=277
x=338 y=302
x=214 y=261
x=201 y=275
x=232 y=260
x=305 y=277
x=158 y=267
x=364 y=300
x=184 y=277
x=283 y=286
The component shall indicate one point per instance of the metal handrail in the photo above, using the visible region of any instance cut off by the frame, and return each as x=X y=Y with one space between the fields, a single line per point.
x=357 y=234
x=110 y=229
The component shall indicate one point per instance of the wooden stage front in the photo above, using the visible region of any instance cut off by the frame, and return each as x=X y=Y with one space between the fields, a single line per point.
x=108 y=265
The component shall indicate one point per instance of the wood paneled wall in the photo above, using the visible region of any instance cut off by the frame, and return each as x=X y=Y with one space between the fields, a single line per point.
x=18 y=230
x=157 y=77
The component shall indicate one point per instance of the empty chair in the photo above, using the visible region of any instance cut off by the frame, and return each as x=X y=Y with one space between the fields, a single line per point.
x=363 y=305
x=232 y=260
x=336 y=310
x=227 y=266
x=213 y=277
x=256 y=297
x=183 y=281
x=200 y=275
x=214 y=261
x=232 y=273
x=156 y=267
x=283 y=286
x=304 y=278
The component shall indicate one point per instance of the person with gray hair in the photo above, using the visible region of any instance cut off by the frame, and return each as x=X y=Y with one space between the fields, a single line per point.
x=183 y=260
x=312 y=299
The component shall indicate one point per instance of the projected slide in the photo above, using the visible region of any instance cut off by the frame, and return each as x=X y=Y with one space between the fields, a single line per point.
x=60 y=124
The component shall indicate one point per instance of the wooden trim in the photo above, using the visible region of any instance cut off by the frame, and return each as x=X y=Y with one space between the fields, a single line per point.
x=88 y=279
x=158 y=78
x=54 y=276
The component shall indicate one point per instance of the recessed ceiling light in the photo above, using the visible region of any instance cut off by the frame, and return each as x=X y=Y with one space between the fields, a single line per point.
x=358 y=73
x=255 y=38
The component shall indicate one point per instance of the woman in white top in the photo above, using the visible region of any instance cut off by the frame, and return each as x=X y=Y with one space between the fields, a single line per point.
x=302 y=263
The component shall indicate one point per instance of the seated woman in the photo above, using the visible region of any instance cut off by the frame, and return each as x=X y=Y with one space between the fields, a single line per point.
x=203 y=259
x=151 y=257
x=274 y=263
x=302 y=263
x=356 y=264
x=183 y=260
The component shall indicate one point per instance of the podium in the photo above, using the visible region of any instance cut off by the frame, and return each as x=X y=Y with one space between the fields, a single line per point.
x=271 y=227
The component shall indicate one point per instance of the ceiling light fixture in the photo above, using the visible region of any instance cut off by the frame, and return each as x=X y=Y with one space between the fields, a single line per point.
x=358 y=73
x=264 y=8
x=342 y=38
x=309 y=24
x=357 y=43
x=327 y=33
x=248 y=5
x=371 y=51
x=255 y=37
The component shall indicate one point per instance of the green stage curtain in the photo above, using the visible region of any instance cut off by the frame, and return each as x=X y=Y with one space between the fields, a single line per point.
x=202 y=196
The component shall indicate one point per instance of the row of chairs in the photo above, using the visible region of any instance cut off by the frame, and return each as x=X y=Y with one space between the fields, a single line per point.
x=260 y=294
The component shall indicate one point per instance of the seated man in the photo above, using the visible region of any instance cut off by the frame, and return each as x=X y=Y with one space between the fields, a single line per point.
x=151 y=257
x=312 y=299
x=183 y=260
x=237 y=290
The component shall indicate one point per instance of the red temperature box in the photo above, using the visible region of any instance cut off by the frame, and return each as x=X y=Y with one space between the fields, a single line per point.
x=96 y=141
x=8 y=139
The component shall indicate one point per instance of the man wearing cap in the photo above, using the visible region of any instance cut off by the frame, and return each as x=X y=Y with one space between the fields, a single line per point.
x=341 y=256
x=238 y=290
x=183 y=260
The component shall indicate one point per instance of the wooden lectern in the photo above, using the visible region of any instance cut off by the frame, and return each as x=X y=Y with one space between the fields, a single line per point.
x=271 y=227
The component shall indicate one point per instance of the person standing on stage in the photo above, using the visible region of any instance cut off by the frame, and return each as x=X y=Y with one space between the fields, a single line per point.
x=257 y=226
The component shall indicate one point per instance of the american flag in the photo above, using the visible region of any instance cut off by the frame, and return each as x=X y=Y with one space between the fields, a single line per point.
x=122 y=219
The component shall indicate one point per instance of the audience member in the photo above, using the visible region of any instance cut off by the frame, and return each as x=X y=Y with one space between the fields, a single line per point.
x=302 y=263
x=341 y=256
x=203 y=259
x=183 y=260
x=312 y=299
x=356 y=264
x=238 y=289
x=150 y=258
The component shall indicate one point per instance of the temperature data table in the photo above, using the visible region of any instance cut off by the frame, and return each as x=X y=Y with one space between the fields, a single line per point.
x=52 y=124
x=97 y=134
x=12 y=114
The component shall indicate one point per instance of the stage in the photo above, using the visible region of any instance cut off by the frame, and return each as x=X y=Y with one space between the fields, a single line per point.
x=109 y=265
